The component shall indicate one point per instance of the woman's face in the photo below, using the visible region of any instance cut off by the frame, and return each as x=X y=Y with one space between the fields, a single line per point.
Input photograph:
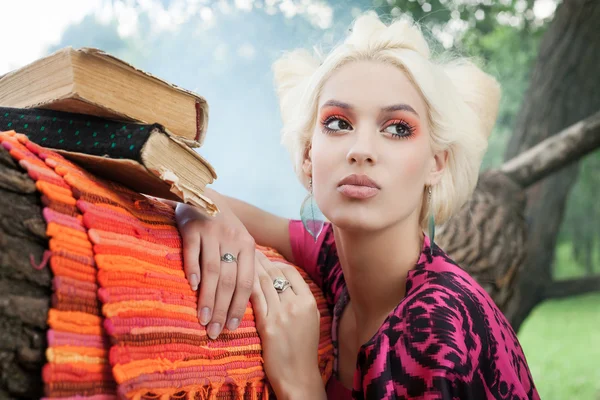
x=371 y=156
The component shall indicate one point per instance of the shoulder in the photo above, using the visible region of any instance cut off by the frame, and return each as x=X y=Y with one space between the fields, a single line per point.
x=329 y=267
x=441 y=282
x=456 y=313
x=319 y=258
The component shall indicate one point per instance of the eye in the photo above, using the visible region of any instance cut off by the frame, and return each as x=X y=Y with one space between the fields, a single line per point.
x=337 y=124
x=400 y=129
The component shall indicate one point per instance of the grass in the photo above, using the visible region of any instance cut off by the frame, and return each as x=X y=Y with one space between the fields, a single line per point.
x=561 y=340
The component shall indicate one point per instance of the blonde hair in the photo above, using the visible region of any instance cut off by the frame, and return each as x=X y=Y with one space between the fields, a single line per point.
x=462 y=100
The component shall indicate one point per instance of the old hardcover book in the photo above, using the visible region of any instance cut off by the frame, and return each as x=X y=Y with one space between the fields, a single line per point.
x=145 y=158
x=92 y=82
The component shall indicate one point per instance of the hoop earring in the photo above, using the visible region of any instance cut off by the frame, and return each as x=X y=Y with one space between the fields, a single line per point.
x=431 y=220
x=312 y=218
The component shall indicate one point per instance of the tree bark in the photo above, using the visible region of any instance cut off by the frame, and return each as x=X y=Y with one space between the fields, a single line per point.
x=564 y=89
x=24 y=291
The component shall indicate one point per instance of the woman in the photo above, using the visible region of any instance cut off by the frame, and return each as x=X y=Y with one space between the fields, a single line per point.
x=384 y=139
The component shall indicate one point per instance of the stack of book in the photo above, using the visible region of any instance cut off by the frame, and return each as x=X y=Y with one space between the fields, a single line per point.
x=115 y=120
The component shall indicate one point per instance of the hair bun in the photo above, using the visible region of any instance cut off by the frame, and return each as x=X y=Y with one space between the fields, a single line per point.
x=480 y=91
x=290 y=72
x=368 y=31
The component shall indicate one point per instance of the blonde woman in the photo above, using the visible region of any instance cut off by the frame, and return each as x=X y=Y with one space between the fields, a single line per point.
x=385 y=139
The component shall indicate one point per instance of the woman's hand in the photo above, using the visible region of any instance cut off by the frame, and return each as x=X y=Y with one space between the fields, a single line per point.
x=225 y=288
x=288 y=325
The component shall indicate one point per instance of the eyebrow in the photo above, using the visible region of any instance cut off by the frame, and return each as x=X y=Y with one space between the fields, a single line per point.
x=400 y=107
x=395 y=107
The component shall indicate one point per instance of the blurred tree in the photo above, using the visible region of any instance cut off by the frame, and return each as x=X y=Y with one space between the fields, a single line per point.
x=564 y=88
x=582 y=209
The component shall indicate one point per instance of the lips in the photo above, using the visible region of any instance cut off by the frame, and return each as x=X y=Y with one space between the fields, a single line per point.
x=358 y=187
x=359 y=180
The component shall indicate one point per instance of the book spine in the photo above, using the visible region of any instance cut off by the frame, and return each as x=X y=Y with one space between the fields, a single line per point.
x=77 y=132
x=199 y=118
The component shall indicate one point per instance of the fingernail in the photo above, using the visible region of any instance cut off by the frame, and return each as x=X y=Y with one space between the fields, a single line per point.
x=194 y=281
x=233 y=324
x=205 y=316
x=214 y=330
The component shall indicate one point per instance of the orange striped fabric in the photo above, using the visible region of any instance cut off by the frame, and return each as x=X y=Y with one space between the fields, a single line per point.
x=123 y=322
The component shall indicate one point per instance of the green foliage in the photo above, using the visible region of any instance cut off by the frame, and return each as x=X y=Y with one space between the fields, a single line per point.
x=508 y=56
x=481 y=16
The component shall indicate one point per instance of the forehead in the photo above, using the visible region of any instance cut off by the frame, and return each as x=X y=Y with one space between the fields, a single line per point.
x=371 y=83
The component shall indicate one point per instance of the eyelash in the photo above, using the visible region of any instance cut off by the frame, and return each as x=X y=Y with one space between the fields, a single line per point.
x=331 y=118
x=410 y=128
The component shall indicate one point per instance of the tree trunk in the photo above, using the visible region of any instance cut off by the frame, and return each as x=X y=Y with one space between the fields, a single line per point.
x=24 y=291
x=564 y=88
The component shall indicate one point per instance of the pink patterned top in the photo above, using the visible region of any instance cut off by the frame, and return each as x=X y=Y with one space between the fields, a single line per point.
x=445 y=340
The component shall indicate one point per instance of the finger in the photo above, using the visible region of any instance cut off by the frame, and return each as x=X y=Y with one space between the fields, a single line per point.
x=259 y=302
x=266 y=284
x=191 y=258
x=224 y=294
x=243 y=288
x=211 y=268
x=264 y=260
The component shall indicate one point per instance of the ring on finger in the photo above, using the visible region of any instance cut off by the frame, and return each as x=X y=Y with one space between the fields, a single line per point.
x=229 y=258
x=281 y=284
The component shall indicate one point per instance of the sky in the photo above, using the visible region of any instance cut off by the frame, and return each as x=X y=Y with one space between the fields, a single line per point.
x=37 y=24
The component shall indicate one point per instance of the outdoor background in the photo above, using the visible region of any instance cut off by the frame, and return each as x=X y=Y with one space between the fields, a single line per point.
x=223 y=50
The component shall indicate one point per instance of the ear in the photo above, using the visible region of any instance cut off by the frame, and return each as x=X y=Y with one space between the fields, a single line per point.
x=307 y=163
x=440 y=161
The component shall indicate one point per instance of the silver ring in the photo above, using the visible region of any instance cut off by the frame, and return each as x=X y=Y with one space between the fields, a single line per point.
x=228 y=258
x=280 y=284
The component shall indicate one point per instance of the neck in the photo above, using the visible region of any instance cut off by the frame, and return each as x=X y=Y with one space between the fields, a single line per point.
x=375 y=266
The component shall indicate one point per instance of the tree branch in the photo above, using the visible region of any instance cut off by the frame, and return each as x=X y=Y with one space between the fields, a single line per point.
x=555 y=152
x=572 y=287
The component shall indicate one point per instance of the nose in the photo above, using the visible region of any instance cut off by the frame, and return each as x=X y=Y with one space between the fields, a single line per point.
x=362 y=150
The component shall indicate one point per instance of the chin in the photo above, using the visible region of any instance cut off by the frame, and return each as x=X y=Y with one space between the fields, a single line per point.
x=357 y=218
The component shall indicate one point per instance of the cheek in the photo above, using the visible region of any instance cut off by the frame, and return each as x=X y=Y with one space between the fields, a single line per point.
x=411 y=164
x=324 y=158
x=415 y=167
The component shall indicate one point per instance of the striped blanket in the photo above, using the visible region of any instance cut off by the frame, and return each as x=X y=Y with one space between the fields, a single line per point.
x=123 y=321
